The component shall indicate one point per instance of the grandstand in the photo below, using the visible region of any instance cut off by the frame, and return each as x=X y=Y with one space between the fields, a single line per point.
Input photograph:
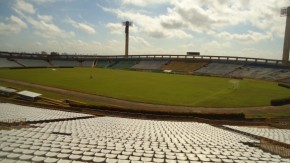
x=258 y=71
x=33 y=63
x=65 y=63
x=221 y=69
x=87 y=63
x=33 y=114
x=5 y=63
x=104 y=63
x=277 y=75
x=223 y=66
x=287 y=80
x=112 y=139
x=183 y=66
x=124 y=64
x=58 y=136
x=281 y=135
x=150 y=65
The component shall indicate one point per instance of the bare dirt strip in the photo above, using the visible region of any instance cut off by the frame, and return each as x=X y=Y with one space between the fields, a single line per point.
x=145 y=106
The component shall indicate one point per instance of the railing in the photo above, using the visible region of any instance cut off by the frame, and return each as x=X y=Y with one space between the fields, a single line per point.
x=145 y=56
x=275 y=147
x=267 y=144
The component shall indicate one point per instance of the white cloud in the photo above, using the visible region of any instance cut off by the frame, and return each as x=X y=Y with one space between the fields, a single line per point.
x=213 y=16
x=147 y=24
x=172 y=20
x=143 y=3
x=208 y=17
x=46 y=28
x=70 y=46
x=214 y=27
x=86 y=28
x=44 y=1
x=249 y=37
x=140 y=40
x=43 y=24
x=38 y=44
x=216 y=45
x=115 y=28
x=82 y=26
x=50 y=1
x=13 y=25
x=22 y=6
x=46 y=18
x=214 y=48
x=114 y=42
x=260 y=53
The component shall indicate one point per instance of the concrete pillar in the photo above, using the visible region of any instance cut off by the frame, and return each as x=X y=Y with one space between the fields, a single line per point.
x=286 y=48
x=127 y=24
x=127 y=42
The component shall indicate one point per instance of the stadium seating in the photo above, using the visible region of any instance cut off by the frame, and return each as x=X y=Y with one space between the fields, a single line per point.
x=268 y=66
x=182 y=66
x=287 y=80
x=260 y=73
x=5 y=63
x=278 y=74
x=124 y=64
x=87 y=63
x=109 y=139
x=281 y=135
x=227 y=67
x=150 y=65
x=65 y=63
x=104 y=63
x=33 y=63
x=10 y=112
x=219 y=68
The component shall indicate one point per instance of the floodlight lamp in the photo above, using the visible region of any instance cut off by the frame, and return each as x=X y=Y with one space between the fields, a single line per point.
x=127 y=23
x=283 y=11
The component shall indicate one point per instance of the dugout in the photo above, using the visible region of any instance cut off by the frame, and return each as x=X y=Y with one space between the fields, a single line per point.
x=7 y=91
x=30 y=96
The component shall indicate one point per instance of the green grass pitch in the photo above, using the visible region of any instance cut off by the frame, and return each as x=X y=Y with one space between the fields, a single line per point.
x=157 y=88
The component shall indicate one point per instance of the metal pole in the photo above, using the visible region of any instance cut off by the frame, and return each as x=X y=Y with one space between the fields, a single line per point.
x=286 y=48
x=127 y=39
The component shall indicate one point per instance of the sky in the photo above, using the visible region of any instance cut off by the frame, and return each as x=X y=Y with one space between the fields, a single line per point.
x=245 y=28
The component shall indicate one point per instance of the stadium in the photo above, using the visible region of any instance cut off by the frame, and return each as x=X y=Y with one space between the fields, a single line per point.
x=151 y=108
x=99 y=108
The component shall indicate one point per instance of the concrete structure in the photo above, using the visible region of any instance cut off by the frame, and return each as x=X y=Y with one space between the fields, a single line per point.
x=286 y=12
x=12 y=112
x=27 y=95
x=7 y=91
x=204 y=58
x=127 y=24
x=122 y=140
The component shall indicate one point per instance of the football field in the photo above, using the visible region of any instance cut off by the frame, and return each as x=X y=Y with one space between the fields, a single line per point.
x=156 y=88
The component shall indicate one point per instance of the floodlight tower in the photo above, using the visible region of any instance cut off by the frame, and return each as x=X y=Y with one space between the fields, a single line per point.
x=127 y=24
x=286 y=12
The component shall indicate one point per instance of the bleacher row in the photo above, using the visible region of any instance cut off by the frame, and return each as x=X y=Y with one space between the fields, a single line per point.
x=236 y=70
x=122 y=140
x=32 y=114
x=280 y=135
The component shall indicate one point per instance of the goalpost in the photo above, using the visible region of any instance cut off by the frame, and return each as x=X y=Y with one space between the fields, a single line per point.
x=234 y=84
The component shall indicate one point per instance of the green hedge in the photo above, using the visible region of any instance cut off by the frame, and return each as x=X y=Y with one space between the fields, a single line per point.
x=284 y=85
x=279 y=102
x=217 y=116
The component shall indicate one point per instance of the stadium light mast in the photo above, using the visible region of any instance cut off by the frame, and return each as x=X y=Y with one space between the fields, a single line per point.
x=127 y=24
x=285 y=58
